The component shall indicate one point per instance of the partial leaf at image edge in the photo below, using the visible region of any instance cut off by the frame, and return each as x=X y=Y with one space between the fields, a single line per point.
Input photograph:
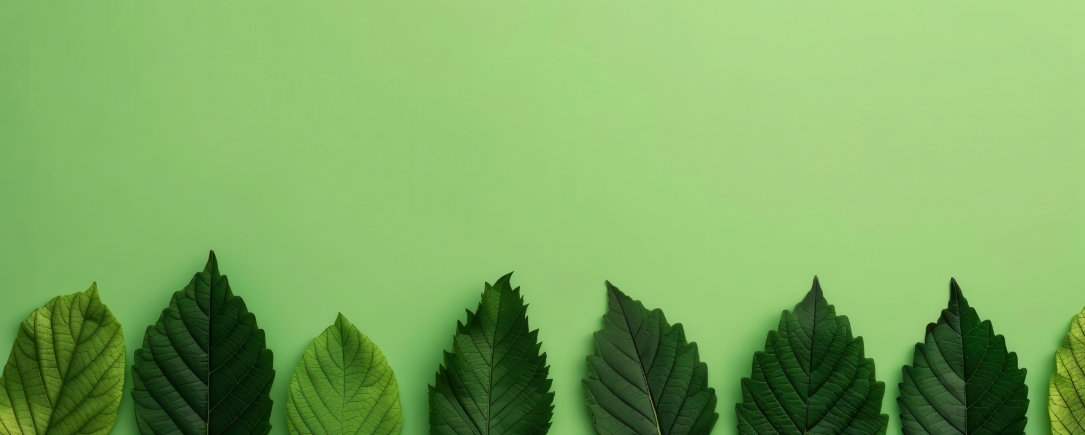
x=962 y=379
x=204 y=368
x=65 y=374
x=343 y=385
x=812 y=377
x=1067 y=392
x=1066 y=404
x=644 y=378
x=495 y=381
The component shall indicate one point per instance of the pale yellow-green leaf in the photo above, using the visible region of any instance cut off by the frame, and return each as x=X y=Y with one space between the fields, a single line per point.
x=1065 y=403
x=66 y=370
x=343 y=385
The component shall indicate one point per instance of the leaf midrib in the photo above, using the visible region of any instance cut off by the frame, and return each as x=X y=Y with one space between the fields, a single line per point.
x=644 y=376
x=809 y=380
x=964 y=359
x=493 y=361
x=210 y=346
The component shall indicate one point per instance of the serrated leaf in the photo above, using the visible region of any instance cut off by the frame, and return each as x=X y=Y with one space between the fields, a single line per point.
x=962 y=379
x=65 y=374
x=644 y=378
x=812 y=377
x=495 y=381
x=343 y=385
x=203 y=368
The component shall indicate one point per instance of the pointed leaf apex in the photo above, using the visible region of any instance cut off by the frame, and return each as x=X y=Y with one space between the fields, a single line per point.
x=504 y=281
x=93 y=290
x=611 y=288
x=341 y=320
x=212 y=264
x=955 y=294
x=815 y=293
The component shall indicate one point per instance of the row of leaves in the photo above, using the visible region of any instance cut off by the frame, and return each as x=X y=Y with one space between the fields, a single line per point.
x=204 y=369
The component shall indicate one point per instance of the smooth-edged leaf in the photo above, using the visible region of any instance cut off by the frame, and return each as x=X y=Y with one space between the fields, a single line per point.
x=203 y=368
x=495 y=381
x=66 y=370
x=962 y=380
x=644 y=378
x=1066 y=402
x=343 y=385
x=812 y=377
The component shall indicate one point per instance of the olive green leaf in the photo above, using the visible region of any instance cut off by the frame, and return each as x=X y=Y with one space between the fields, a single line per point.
x=203 y=368
x=812 y=377
x=644 y=378
x=1066 y=404
x=962 y=380
x=495 y=381
x=66 y=370
x=343 y=385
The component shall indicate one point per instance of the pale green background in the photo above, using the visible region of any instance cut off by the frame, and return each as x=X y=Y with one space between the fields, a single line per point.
x=385 y=158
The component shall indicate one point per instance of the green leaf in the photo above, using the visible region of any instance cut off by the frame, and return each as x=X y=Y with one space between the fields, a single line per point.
x=66 y=370
x=1066 y=404
x=494 y=381
x=644 y=379
x=812 y=377
x=962 y=380
x=203 y=368
x=343 y=385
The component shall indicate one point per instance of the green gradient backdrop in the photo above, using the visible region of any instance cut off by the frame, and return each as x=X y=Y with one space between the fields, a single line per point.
x=384 y=158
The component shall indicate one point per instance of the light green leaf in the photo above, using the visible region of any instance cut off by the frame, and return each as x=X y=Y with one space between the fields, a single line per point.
x=962 y=380
x=812 y=377
x=66 y=370
x=644 y=378
x=343 y=385
x=1066 y=404
x=495 y=381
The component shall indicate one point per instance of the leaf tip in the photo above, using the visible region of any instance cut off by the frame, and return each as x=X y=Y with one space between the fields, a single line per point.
x=614 y=294
x=955 y=293
x=815 y=293
x=504 y=283
x=212 y=263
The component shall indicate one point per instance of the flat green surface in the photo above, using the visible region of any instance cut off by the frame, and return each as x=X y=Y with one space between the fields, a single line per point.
x=384 y=159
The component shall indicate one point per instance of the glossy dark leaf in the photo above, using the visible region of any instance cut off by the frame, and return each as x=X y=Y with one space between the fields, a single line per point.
x=812 y=377
x=644 y=378
x=495 y=381
x=962 y=379
x=203 y=368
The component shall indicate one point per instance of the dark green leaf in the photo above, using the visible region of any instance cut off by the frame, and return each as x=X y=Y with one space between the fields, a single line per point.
x=644 y=379
x=66 y=370
x=812 y=377
x=203 y=368
x=495 y=381
x=343 y=385
x=962 y=380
